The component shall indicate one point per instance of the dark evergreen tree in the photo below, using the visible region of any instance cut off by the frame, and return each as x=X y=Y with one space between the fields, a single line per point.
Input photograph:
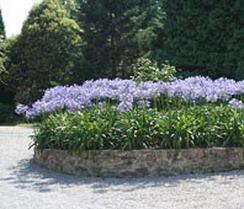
x=206 y=35
x=118 y=32
x=110 y=35
x=150 y=34
x=2 y=28
x=2 y=48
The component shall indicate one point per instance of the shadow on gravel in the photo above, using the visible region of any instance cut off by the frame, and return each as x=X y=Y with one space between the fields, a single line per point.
x=28 y=175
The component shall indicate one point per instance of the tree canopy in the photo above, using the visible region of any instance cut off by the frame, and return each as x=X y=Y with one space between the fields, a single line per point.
x=2 y=48
x=48 y=52
x=206 y=35
x=118 y=32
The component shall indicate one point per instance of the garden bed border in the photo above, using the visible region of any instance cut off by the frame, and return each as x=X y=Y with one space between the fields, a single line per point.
x=140 y=163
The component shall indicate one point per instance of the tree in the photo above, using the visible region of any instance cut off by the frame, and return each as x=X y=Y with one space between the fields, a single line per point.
x=6 y=93
x=2 y=28
x=118 y=32
x=48 y=52
x=108 y=31
x=150 y=24
x=206 y=35
x=70 y=6
x=3 y=58
x=2 y=48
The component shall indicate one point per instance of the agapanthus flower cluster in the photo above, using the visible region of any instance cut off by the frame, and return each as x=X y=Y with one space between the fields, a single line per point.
x=127 y=93
x=236 y=103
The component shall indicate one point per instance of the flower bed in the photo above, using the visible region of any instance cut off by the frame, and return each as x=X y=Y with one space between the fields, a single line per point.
x=113 y=115
x=123 y=114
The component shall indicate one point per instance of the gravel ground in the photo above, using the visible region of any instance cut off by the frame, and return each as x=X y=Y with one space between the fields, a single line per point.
x=24 y=185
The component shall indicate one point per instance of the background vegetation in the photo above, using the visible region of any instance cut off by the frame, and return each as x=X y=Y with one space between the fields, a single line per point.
x=70 y=41
x=206 y=35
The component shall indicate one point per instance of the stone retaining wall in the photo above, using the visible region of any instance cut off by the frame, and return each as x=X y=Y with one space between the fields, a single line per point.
x=139 y=163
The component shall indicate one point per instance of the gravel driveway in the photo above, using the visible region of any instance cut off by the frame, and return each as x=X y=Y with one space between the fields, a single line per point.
x=24 y=185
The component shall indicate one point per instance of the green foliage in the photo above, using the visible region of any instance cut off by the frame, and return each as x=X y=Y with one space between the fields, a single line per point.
x=48 y=52
x=2 y=27
x=7 y=113
x=5 y=110
x=206 y=35
x=119 y=32
x=5 y=50
x=2 y=59
x=108 y=31
x=6 y=94
x=150 y=29
x=70 y=6
x=3 y=56
x=199 y=126
x=146 y=70
x=234 y=58
x=7 y=81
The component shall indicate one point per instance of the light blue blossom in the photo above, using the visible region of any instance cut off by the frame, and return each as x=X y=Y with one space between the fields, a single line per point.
x=127 y=93
x=236 y=103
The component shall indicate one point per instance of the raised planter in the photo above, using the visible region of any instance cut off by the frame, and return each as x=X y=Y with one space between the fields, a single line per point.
x=139 y=163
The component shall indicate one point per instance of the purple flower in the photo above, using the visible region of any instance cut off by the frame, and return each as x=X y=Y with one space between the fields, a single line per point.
x=126 y=102
x=21 y=109
x=143 y=103
x=236 y=103
x=127 y=93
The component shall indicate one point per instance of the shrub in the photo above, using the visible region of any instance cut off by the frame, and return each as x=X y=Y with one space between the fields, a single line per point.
x=103 y=128
x=146 y=70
